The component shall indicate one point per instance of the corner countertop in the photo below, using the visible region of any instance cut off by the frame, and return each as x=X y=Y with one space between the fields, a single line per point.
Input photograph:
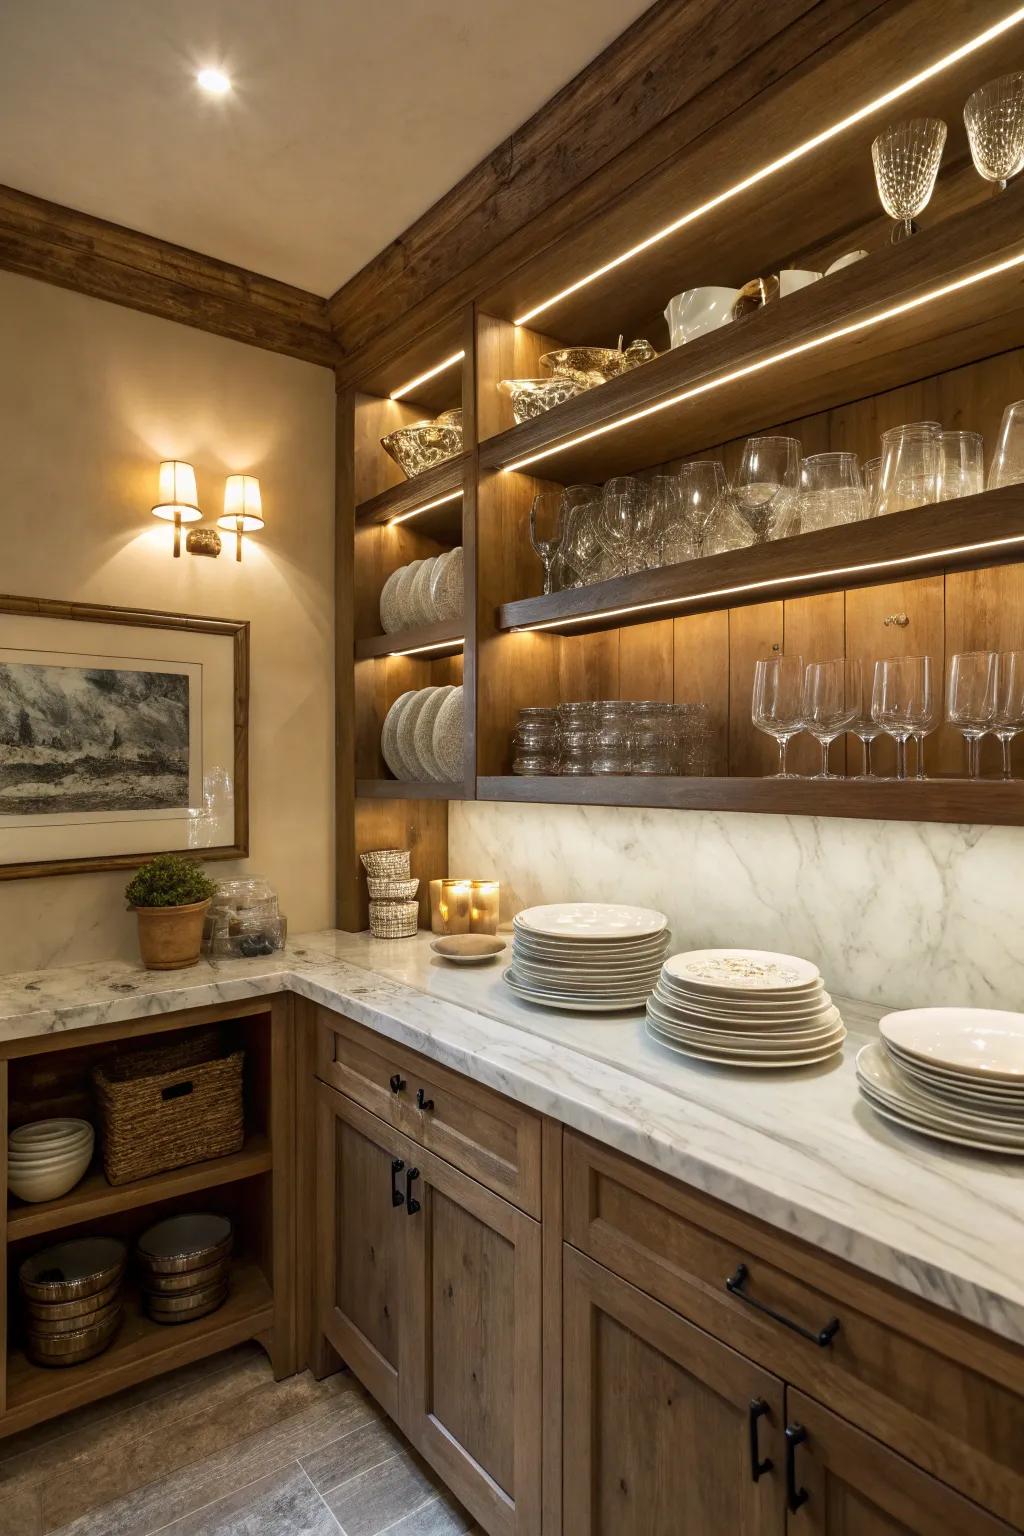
x=798 y=1149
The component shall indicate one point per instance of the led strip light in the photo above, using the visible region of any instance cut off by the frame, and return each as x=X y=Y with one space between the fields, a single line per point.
x=428 y=506
x=423 y=378
x=770 y=360
x=423 y=650
x=801 y=150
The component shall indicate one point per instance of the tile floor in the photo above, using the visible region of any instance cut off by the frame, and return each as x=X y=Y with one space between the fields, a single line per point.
x=221 y=1449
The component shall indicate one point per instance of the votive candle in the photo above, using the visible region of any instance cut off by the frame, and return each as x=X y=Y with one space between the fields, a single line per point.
x=483 y=917
x=456 y=905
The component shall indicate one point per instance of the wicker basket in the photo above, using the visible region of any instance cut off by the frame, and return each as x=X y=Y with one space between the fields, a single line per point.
x=392 y=890
x=387 y=863
x=394 y=919
x=168 y=1106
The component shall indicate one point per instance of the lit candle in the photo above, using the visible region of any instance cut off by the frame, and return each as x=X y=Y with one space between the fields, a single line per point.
x=456 y=901
x=436 y=920
x=483 y=917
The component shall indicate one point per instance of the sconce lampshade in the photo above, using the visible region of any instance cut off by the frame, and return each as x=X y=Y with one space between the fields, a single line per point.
x=177 y=495
x=243 y=506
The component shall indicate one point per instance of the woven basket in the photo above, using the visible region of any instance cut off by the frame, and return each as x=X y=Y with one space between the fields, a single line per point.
x=394 y=919
x=387 y=863
x=392 y=890
x=168 y=1106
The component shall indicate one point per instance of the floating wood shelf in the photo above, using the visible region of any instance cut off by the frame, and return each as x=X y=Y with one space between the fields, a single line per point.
x=978 y=530
x=398 y=789
x=988 y=801
x=400 y=500
x=94 y=1197
x=971 y=322
x=432 y=640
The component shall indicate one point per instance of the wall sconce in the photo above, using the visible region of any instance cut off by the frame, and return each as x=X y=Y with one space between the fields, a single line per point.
x=243 y=508
x=178 y=501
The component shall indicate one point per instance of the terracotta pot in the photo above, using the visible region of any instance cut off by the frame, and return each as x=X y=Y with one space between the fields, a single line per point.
x=170 y=938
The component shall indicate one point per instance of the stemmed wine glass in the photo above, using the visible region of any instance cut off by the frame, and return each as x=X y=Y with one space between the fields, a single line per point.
x=831 y=699
x=994 y=115
x=702 y=488
x=671 y=537
x=546 y=517
x=767 y=484
x=863 y=725
x=971 y=701
x=777 y=706
x=1009 y=715
x=906 y=159
x=902 y=700
x=625 y=522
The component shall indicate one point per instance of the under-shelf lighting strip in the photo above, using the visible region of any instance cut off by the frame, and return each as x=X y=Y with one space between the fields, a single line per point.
x=826 y=338
x=798 y=153
x=437 y=645
x=428 y=506
x=424 y=378
x=770 y=582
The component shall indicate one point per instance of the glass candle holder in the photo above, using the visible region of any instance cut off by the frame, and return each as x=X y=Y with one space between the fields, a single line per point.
x=485 y=897
x=456 y=905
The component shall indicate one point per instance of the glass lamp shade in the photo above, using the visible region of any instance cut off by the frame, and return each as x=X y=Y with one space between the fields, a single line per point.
x=243 y=506
x=177 y=493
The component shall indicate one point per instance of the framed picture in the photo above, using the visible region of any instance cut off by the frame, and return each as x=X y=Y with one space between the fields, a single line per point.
x=122 y=734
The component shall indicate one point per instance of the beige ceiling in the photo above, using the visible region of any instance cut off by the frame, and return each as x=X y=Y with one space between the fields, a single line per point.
x=348 y=118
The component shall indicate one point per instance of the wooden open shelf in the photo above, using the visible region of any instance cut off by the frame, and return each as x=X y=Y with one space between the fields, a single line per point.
x=444 y=639
x=94 y=1197
x=141 y=1349
x=400 y=789
x=976 y=530
x=401 y=499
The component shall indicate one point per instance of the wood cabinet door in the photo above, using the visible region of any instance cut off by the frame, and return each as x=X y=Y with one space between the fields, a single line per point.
x=660 y=1420
x=471 y=1396
x=844 y=1483
x=362 y=1242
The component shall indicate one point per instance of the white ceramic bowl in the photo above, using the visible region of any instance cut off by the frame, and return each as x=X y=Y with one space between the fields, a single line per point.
x=37 y=1131
x=48 y=1183
x=52 y=1160
x=698 y=310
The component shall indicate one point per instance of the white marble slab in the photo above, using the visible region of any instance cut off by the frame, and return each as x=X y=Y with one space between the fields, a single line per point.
x=797 y=1149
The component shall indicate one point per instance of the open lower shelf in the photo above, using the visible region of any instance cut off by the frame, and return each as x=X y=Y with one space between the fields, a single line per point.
x=398 y=789
x=401 y=501
x=94 y=1197
x=987 y=801
x=140 y=1349
x=978 y=530
x=430 y=640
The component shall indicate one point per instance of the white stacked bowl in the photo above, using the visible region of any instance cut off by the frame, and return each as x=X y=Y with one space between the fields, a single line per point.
x=47 y=1158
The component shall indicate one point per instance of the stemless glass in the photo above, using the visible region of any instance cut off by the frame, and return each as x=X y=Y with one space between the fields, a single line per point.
x=546 y=531
x=767 y=485
x=1009 y=715
x=1007 y=467
x=961 y=465
x=777 y=705
x=971 y=700
x=902 y=700
x=994 y=115
x=703 y=489
x=906 y=159
x=911 y=459
x=871 y=470
x=831 y=699
x=831 y=491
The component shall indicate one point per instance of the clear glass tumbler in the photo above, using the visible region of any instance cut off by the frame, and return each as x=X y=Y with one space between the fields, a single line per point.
x=831 y=491
x=911 y=466
x=1007 y=467
x=961 y=465
x=871 y=470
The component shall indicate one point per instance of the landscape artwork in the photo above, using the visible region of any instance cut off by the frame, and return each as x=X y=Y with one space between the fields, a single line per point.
x=86 y=739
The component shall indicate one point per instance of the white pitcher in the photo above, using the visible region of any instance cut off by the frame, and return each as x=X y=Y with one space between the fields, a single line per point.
x=698 y=310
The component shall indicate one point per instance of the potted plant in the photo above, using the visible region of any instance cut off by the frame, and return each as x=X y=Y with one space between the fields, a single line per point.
x=170 y=896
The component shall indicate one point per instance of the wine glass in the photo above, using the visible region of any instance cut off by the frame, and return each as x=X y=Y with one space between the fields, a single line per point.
x=961 y=465
x=703 y=489
x=767 y=484
x=906 y=159
x=971 y=700
x=902 y=700
x=926 y=722
x=994 y=115
x=777 y=705
x=1009 y=715
x=581 y=546
x=625 y=522
x=1007 y=467
x=831 y=491
x=671 y=536
x=546 y=519
x=863 y=725
x=831 y=699
x=911 y=459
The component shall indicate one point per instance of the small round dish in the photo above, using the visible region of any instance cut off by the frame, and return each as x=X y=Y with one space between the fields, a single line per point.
x=187 y=1242
x=68 y=1271
x=468 y=948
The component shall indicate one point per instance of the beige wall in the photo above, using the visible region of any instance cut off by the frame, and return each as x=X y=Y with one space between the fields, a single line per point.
x=91 y=398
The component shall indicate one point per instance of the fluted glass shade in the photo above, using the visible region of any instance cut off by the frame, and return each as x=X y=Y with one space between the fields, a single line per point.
x=995 y=128
x=243 y=505
x=907 y=159
x=176 y=497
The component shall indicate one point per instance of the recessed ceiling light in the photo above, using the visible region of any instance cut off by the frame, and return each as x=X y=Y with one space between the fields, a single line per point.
x=214 y=82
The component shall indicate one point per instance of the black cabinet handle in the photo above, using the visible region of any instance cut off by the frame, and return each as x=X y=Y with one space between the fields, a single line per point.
x=397 y=1198
x=411 y=1205
x=396 y=1082
x=795 y=1435
x=422 y=1102
x=822 y=1338
x=758 y=1409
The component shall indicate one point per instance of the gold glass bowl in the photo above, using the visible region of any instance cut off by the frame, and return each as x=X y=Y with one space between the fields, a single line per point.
x=532 y=397
x=591 y=366
x=424 y=444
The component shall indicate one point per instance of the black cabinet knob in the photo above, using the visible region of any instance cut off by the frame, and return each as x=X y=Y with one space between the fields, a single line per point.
x=397 y=1198
x=397 y=1083
x=411 y=1205
x=422 y=1102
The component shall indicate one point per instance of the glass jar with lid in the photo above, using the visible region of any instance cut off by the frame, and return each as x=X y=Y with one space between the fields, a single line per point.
x=577 y=723
x=612 y=730
x=654 y=738
x=535 y=741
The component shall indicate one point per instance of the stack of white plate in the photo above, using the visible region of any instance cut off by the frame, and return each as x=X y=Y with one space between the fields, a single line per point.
x=744 y=1008
x=953 y=1073
x=422 y=736
x=588 y=956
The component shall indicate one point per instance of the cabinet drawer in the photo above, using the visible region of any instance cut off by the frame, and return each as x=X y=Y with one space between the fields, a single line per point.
x=945 y=1394
x=494 y=1140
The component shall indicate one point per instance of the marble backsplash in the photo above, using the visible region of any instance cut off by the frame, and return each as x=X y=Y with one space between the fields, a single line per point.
x=903 y=913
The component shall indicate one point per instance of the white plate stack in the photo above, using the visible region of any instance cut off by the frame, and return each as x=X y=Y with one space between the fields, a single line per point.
x=744 y=1008
x=953 y=1073
x=587 y=956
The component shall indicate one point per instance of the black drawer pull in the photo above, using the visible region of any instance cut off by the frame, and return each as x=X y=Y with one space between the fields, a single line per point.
x=795 y=1435
x=397 y=1198
x=422 y=1102
x=758 y=1409
x=411 y=1205
x=396 y=1083
x=822 y=1338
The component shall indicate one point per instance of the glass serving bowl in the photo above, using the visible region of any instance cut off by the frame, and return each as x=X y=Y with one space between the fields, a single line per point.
x=532 y=397
x=590 y=366
x=424 y=444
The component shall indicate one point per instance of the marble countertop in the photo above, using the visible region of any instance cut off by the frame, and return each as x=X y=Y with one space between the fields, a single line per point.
x=798 y=1149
